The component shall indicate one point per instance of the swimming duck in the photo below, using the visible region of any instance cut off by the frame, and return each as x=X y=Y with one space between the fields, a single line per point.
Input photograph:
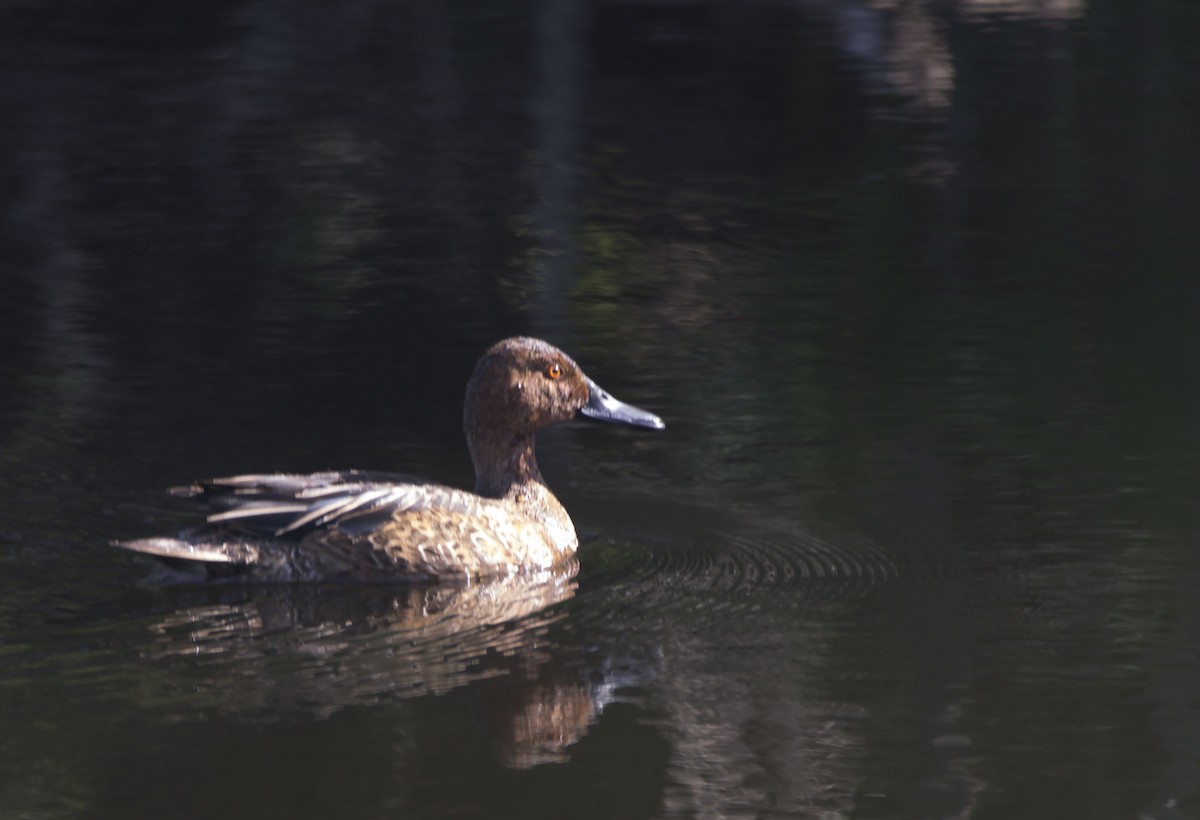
x=372 y=526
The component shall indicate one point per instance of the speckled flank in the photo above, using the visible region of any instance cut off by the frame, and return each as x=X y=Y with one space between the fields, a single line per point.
x=492 y=539
x=355 y=525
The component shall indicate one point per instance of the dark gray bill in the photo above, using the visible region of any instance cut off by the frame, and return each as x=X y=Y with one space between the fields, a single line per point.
x=603 y=407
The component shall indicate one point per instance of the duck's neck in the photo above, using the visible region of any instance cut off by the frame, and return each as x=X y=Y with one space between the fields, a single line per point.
x=505 y=464
x=506 y=468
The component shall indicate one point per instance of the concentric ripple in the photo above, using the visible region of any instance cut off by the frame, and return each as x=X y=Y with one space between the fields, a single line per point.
x=758 y=562
x=750 y=566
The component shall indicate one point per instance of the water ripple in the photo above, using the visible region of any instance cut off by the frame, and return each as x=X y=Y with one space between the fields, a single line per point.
x=750 y=566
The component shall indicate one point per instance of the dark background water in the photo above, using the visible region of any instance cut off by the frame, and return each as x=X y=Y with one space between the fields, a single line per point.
x=914 y=285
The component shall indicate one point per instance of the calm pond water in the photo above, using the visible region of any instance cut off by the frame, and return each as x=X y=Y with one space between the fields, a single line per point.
x=914 y=286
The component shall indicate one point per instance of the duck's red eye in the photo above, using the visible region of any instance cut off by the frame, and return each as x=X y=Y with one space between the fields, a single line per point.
x=554 y=371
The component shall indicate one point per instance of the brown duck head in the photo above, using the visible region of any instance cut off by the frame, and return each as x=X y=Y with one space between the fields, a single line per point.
x=519 y=386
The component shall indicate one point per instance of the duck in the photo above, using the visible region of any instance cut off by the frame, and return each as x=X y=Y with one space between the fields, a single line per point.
x=367 y=526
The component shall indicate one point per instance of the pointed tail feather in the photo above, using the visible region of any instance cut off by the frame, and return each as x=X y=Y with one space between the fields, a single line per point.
x=217 y=551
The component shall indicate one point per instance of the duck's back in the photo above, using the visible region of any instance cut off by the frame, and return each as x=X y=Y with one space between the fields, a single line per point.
x=359 y=525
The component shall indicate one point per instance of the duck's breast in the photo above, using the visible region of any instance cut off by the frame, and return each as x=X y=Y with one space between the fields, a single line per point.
x=464 y=536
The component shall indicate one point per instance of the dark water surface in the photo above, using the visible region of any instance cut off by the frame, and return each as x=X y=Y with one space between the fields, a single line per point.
x=915 y=287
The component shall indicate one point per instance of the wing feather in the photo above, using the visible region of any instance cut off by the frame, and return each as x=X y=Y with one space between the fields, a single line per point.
x=324 y=513
x=292 y=506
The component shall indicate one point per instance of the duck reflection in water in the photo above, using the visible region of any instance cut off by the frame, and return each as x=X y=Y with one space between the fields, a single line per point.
x=266 y=652
x=366 y=526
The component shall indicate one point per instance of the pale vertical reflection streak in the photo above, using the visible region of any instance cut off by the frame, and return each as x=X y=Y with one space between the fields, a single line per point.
x=557 y=112
x=745 y=743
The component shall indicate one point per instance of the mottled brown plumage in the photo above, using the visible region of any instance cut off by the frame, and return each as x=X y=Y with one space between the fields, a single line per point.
x=356 y=525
